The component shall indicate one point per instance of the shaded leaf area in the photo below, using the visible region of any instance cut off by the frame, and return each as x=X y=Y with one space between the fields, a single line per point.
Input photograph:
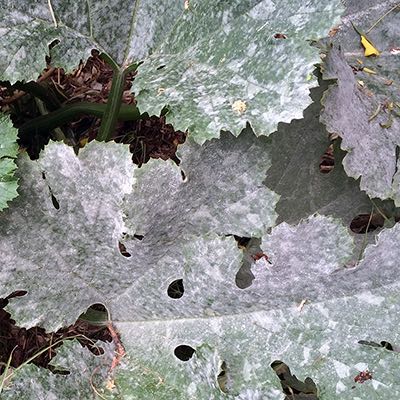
x=150 y=137
x=296 y=152
x=363 y=106
x=8 y=154
x=89 y=376
x=18 y=345
x=228 y=63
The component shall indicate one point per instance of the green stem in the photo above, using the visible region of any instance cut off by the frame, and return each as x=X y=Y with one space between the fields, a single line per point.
x=114 y=102
x=68 y=113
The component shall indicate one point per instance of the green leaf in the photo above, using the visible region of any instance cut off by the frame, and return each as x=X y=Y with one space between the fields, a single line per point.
x=222 y=64
x=372 y=149
x=222 y=57
x=361 y=106
x=124 y=29
x=8 y=152
x=100 y=202
x=184 y=223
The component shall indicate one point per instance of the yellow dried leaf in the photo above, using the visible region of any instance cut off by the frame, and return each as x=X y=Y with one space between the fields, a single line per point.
x=370 y=50
x=369 y=71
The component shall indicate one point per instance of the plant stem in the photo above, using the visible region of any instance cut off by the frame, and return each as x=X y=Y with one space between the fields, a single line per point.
x=114 y=102
x=68 y=113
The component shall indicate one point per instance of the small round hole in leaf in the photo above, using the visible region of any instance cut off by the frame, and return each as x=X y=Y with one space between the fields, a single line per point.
x=184 y=352
x=176 y=289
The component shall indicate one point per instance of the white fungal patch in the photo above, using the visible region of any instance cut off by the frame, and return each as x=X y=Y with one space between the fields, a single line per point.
x=262 y=10
x=342 y=370
x=369 y=298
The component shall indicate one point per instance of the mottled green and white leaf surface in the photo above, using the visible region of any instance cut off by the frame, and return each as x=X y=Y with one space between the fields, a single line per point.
x=247 y=329
x=223 y=193
x=88 y=374
x=355 y=106
x=223 y=67
x=8 y=153
x=125 y=30
x=372 y=149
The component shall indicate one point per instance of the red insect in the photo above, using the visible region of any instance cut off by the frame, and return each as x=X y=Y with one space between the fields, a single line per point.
x=260 y=255
x=363 y=376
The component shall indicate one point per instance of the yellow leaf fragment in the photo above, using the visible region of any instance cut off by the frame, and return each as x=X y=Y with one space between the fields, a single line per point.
x=370 y=50
x=369 y=71
x=239 y=106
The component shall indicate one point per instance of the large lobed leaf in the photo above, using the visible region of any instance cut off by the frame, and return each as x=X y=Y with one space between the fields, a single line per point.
x=184 y=223
x=216 y=64
x=224 y=55
x=8 y=153
x=356 y=107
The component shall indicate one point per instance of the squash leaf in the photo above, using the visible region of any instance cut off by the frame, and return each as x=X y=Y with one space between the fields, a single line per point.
x=8 y=153
x=200 y=60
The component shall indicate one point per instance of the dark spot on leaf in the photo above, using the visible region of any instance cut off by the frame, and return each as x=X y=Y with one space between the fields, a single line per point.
x=363 y=376
x=176 y=289
x=280 y=36
x=184 y=352
x=160 y=67
x=139 y=237
x=122 y=250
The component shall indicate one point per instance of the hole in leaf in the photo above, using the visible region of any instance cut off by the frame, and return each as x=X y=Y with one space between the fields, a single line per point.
x=184 y=352
x=176 y=289
x=363 y=223
x=160 y=67
x=249 y=246
x=184 y=177
x=222 y=378
x=242 y=242
x=291 y=386
x=386 y=345
x=139 y=237
x=20 y=344
x=327 y=163
x=55 y=202
x=122 y=250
